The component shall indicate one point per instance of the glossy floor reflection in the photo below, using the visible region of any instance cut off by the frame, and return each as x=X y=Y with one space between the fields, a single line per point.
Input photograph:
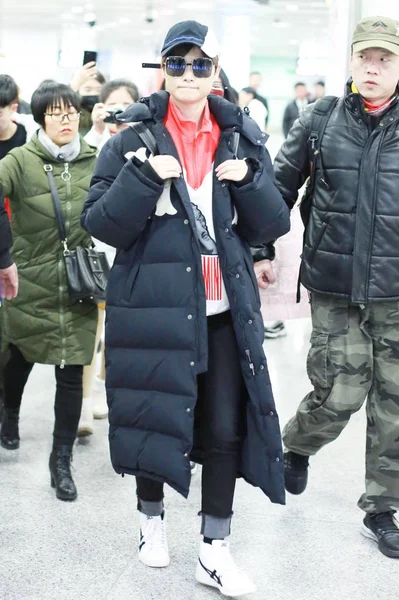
x=311 y=549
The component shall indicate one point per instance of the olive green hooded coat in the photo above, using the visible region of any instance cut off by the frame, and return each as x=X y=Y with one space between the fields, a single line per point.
x=41 y=322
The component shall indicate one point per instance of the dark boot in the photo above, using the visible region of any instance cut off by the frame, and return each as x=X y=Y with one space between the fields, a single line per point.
x=383 y=529
x=60 y=471
x=295 y=472
x=9 y=435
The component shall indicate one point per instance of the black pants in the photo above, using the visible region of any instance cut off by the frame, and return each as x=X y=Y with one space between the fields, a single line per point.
x=220 y=411
x=68 y=396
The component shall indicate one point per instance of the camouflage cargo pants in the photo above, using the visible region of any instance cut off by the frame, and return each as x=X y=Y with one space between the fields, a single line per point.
x=354 y=355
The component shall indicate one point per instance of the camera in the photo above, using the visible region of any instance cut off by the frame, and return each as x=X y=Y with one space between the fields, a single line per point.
x=113 y=116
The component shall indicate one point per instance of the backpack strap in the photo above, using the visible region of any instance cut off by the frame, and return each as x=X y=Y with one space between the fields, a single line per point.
x=320 y=117
x=236 y=143
x=146 y=136
x=321 y=114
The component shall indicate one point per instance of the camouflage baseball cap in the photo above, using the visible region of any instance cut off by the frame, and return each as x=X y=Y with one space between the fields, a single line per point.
x=376 y=32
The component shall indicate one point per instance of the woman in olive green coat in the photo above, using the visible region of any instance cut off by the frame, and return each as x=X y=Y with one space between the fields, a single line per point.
x=41 y=325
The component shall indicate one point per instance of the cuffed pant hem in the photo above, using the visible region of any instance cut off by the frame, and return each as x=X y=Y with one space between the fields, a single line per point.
x=215 y=528
x=150 y=509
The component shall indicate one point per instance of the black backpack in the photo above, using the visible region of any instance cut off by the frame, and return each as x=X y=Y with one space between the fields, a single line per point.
x=320 y=117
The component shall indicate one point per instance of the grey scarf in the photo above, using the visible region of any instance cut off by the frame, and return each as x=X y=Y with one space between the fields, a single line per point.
x=65 y=153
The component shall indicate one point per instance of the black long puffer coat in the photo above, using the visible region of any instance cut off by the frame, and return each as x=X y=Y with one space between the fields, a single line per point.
x=156 y=328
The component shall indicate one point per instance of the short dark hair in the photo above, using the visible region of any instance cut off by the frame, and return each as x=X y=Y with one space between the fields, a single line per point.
x=116 y=84
x=255 y=73
x=184 y=49
x=8 y=91
x=320 y=83
x=299 y=83
x=49 y=95
x=100 y=78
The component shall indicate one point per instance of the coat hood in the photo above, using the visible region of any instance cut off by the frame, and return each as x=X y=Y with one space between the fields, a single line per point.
x=227 y=115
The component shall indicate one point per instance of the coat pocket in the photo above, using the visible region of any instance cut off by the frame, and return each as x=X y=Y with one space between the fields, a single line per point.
x=318 y=364
x=317 y=243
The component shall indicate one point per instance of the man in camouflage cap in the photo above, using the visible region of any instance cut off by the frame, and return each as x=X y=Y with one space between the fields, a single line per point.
x=350 y=265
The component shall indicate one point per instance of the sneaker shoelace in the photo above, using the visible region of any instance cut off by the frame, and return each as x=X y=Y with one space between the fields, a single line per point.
x=155 y=532
x=227 y=562
x=386 y=521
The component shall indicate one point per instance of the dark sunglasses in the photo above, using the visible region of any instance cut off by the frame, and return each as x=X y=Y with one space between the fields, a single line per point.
x=175 y=66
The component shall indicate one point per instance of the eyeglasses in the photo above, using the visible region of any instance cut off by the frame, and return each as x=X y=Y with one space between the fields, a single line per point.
x=59 y=117
x=176 y=66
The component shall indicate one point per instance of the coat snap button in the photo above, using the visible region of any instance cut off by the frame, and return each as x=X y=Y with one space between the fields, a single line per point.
x=271 y=413
x=223 y=185
x=227 y=230
x=277 y=460
x=192 y=364
x=186 y=221
x=262 y=367
x=190 y=317
x=185 y=455
x=188 y=269
x=188 y=410
x=238 y=276
x=250 y=322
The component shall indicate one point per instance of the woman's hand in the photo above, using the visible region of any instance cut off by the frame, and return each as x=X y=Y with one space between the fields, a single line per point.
x=232 y=170
x=9 y=282
x=264 y=274
x=82 y=75
x=97 y=116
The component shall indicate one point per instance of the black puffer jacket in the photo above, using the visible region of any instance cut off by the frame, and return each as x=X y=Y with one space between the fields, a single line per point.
x=351 y=245
x=156 y=329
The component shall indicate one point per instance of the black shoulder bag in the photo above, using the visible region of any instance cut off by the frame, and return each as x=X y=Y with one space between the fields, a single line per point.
x=87 y=270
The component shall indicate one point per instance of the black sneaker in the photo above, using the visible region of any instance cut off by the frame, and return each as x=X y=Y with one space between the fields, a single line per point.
x=383 y=529
x=274 y=331
x=295 y=472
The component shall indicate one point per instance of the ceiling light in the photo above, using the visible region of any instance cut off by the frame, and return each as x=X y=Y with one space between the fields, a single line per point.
x=292 y=7
x=77 y=10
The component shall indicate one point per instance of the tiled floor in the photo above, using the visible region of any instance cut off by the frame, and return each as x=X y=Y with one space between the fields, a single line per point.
x=309 y=550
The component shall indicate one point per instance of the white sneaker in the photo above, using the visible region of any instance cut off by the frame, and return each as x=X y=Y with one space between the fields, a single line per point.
x=217 y=569
x=85 y=426
x=153 y=546
x=100 y=406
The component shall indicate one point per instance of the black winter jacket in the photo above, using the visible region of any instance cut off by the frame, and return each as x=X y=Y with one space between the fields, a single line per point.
x=351 y=243
x=291 y=114
x=5 y=236
x=156 y=328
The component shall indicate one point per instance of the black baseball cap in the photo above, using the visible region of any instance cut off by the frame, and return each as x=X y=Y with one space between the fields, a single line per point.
x=191 y=32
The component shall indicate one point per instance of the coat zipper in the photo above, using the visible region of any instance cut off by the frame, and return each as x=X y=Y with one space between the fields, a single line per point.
x=66 y=177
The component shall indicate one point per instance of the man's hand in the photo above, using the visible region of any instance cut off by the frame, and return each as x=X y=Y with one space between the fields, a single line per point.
x=98 y=115
x=232 y=170
x=82 y=75
x=9 y=282
x=165 y=166
x=264 y=274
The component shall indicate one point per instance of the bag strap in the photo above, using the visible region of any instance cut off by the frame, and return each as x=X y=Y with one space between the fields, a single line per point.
x=321 y=114
x=236 y=143
x=146 y=136
x=57 y=206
